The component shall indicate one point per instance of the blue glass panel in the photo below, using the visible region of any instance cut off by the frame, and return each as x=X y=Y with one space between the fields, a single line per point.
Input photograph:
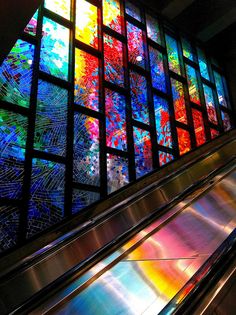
x=132 y=10
x=157 y=69
x=82 y=199
x=9 y=224
x=203 y=64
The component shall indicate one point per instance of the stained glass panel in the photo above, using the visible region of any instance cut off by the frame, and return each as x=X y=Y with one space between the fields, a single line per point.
x=51 y=119
x=184 y=141
x=86 y=28
x=31 y=27
x=115 y=120
x=13 y=133
x=214 y=133
x=61 y=7
x=165 y=158
x=193 y=87
x=139 y=99
x=117 y=172
x=86 y=150
x=179 y=101
x=46 y=205
x=82 y=199
x=9 y=224
x=86 y=80
x=157 y=69
x=54 y=49
x=135 y=45
x=111 y=14
x=187 y=49
x=162 y=117
x=226 y=121
x=132 y=10
x=211 y=111
x=203 y=64
x=113 y=60
x=16 y=74
x=143 y=152
x=153 y=30
x=220 y=89
x=199 y=127
x=173 y=55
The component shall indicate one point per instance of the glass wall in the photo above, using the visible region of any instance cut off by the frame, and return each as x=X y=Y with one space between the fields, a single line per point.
x=92 y=99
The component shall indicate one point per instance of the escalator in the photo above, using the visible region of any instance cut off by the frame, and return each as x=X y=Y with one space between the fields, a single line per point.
x=154 y=252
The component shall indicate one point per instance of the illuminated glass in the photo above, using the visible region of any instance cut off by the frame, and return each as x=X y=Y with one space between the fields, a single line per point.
x=179 y=101
x=173 y=55
x=157 y=69
x=16 y=74
x=198 y=127
x=135 y=45
x=183 y=140
x=193 y=87
x=86 y=80
x=111 y=14
x=132 y=10
x=82 y=199
x=211 y=111
x=153 y=30
x=115 y=120
x=226 y=121
x=54 y=49
x=117 y=172
x=187 y=49
x=143 y=152
x=86 y=28
x=61 y=7
x=139 y=98
x=31 y=27
x=165 y=158
x=9 y=225
x=203 y=64
x=219 y=80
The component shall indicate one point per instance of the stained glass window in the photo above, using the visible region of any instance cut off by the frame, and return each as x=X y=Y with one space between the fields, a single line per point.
x=179 y=101
x=86 y=80
x=86 y=150
x=139 y=100
x=173 y=55
x=153 y=30
x=111 y=14
x=165 y=158
x=86 y=29
x=183 y=140
x=135 y=45
x=211 y=111
x=61 y=7
x=198 y=127
x=16 y=74
x=157 y=69
x=220 y=89
x=31 y=27
x=132 y=10
x=117 y=172
x=143 y=152
x=203 y=64
x=163 y=128
x=187 y=49
x=113 y=60
x=214 y=133
x=51 y=119
x=54 y=49
x=13 y=133
x=82 y=199
x=193 y=87
x=226 y=121
x=115 y=120
x=9 y=225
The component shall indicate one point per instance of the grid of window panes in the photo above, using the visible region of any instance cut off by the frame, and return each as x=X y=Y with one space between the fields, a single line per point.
x=92 y=99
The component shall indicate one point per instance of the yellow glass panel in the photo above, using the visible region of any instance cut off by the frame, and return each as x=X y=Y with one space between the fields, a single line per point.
x=111 y=14
x=60 y=7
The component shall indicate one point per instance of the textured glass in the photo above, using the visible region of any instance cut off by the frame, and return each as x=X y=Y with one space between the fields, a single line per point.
x=54 y=49
x=165 y=158
x=142 y=151
x=153 y=30
x=132 y=10
x=184 y=141
x=139 y=98
x=61 y=7
x=115 y=120
x=16 y=74
x=51 y=119
x=214 y=133
x=113 y=60
x=9 y=224
x=31 y=27
x=86 y=28
x=117 y=172
x=179 y=101
x=193 y=87
x=86 y=150
x=86 y=80
x=157 y=69
x=226 y=121
x=111 y=14
x=187 y=49
x=173 y=55
x=13 y=133
x=209 y=99
x=199 y=127
x=46 y=205
x=162 y=117
x=82 y=199
x=135 y=45
x=220 y=89
x=203 y=64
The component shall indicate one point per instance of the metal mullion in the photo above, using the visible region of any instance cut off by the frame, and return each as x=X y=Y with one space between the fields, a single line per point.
x=96 y=3
x=42 y=155
x=54 y=80
x=137 y=69
x=177 y=77
x=142 y=125
x=161 y=94
x=87 y=111
x=86 y=187
x=135 y=22
x=118 y=152
x=14 y=108
x=114 y=34
x=87 y=48
x=191 y=63
x=156 y=46
x=116 y=88
x=166 y=149
x=29 y=38
x=182 y=126
x=57 y=18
